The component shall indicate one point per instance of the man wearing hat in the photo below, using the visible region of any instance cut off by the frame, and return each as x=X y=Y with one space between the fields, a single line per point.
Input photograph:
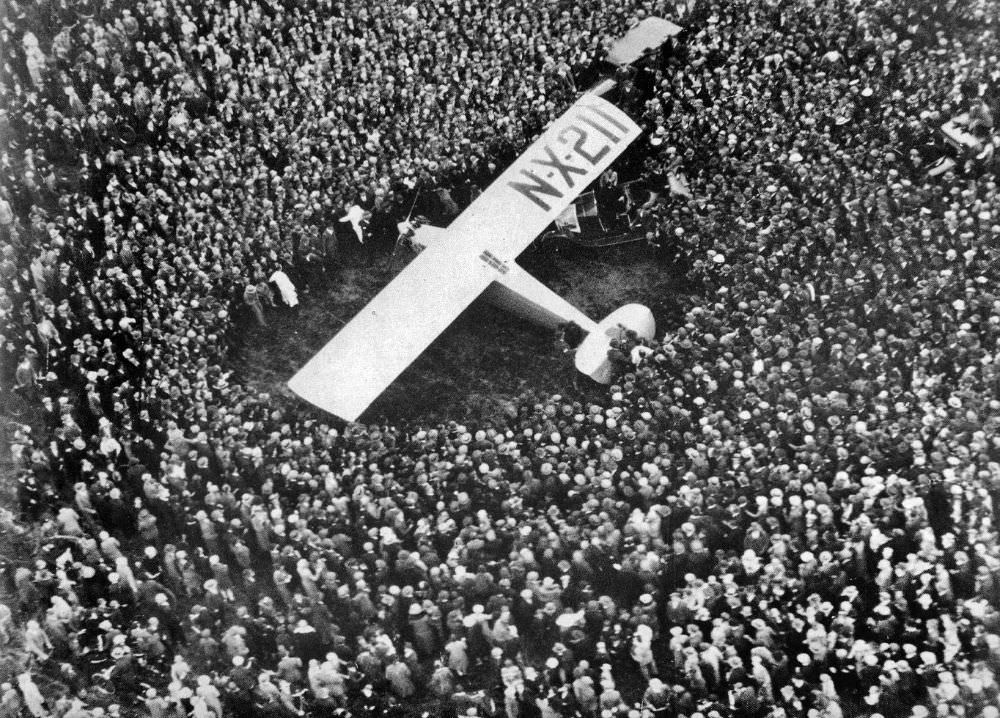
x=421 y=632
x=658 y=699
x=646 y=612
x=677 y=611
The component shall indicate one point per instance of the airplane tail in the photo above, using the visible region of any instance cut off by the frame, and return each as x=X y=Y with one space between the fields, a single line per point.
x=592 y=354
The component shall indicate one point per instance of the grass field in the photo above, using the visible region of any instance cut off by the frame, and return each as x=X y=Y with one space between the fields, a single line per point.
x=486 y=359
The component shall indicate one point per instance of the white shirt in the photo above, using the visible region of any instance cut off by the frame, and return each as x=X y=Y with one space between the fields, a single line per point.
x=289 y=295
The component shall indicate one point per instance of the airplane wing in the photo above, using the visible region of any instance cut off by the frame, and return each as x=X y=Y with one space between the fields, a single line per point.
x=374 y=348
x=427 y=234
x=647 y=35
x=542 y=182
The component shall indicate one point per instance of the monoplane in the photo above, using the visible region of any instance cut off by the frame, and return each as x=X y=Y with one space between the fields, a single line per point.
x=476 y=253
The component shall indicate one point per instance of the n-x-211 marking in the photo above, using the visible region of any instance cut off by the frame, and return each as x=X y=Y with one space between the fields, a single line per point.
x=573 y=137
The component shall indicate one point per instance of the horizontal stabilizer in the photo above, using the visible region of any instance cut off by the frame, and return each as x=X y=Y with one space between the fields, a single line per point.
x=592 y=354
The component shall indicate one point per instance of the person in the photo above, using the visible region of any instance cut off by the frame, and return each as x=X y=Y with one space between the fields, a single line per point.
x=251 y=297
x=26 y=378
x=289 y=295
x=6 y=617
x=36 y=641
x=399 y=676
x=642 y=651
x=657 y=698
x=33 y=699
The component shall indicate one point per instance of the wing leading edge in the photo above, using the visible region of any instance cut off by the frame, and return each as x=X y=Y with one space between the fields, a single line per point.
x=385 y=337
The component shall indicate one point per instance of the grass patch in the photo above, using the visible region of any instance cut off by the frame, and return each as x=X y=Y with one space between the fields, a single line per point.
x=487 y=358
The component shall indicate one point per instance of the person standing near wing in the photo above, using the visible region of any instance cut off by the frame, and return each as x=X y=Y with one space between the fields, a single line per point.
x=252 y=300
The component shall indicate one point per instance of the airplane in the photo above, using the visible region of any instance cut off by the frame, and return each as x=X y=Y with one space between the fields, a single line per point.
x=475 y=255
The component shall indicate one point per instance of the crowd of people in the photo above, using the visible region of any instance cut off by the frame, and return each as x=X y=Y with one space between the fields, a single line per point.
x=784 y=507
